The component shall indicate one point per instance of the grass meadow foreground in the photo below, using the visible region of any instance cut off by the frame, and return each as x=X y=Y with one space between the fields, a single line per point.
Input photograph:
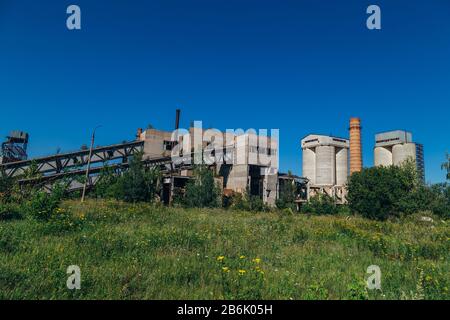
x=143 y=251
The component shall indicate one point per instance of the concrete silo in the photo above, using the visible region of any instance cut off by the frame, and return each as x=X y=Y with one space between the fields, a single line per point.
x=395 y=147
x=325 y=164
x=341 y=166
x=309 y=164
x=383 y=156
x=403 y=152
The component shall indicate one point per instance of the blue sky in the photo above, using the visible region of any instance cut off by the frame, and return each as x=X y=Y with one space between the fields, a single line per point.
x=300 y=66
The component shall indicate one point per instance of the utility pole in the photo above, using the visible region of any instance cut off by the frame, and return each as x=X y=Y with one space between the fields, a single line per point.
x=88 y=164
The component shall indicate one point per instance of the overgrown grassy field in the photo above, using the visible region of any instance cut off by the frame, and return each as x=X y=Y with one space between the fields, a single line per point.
x=142 y=251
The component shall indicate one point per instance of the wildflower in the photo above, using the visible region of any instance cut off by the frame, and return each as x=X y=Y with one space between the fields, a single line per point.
x=220 y=258
x=242 y=257
x=225 y=269
x=256 y=260
x=242 y=272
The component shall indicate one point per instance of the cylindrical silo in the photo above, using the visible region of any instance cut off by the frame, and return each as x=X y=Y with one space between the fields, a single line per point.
x=341 y=166
x=401 y=152
x=382 y=156
x=309 y=165
x=325 y=165
x=355 y=145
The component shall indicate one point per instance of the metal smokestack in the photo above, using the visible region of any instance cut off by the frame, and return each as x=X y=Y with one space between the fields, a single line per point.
x=177 y=119
x=355 y=145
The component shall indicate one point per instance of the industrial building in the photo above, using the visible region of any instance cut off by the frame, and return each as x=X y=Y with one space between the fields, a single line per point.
x=395 y=147
x=238 y=163
x=325 y=165
x=238 y=167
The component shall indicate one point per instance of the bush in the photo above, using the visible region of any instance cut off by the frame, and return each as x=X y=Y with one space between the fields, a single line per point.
x=137 y=184
x=10 y=211
x=320 y=204
x=247 y=202
x=287 y=195
x=106 y=186
x=202 y=191
x=42 y=206
x=381 y=192
x=6 y=186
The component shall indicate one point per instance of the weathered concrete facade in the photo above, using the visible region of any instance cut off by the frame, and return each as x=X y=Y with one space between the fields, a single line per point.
x=243 y=161
x=325 y=165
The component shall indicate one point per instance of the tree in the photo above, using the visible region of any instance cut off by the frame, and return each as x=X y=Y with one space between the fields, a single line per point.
x=446 y=166
x=137 y=183
x=6 y=186
x=380 y=192
x=287 y=194
x=202 y=191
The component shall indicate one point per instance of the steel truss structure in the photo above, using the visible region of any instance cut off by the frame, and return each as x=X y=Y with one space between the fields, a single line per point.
x=63 y=163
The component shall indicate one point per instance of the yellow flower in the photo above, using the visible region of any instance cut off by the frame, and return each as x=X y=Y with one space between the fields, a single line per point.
x=242 y=272
x=225 y=269
x=242 y=257
x=220 y=258
x=256 y=260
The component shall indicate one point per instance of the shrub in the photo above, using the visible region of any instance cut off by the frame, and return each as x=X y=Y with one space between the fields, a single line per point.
x=287 y=195
x=42 y=206
x=380 y=192
x=247 y=202
x=106 y=187
x=10 y=211
x=202 y=191
x=137 y=184
x=6 y=186
x=320 y=204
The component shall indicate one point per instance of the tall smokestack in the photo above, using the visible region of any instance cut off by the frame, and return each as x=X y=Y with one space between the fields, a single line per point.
x=177 y=119
x=355 y=145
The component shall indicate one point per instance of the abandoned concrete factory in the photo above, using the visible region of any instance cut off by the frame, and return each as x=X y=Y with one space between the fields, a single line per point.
x=242 y=161
x=237 y=164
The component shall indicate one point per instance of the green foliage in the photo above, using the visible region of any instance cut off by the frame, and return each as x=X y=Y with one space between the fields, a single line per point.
x=446 y=166
x=147 y=251
x=357 y=290
x=320 y=204
x=137 y=184
x=287 y=196
x=383 y=192
x=6 y=187
x=316 y=291
x=42 y=206
x=10 y=211
x=247 y=202
x=202 y=190
x=241 y=277
x=107 y=184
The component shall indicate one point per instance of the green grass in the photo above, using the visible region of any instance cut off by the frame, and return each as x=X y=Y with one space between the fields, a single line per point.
x=150 y=252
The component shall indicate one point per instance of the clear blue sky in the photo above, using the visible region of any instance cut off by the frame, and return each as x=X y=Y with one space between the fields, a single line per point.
x=300 y=66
